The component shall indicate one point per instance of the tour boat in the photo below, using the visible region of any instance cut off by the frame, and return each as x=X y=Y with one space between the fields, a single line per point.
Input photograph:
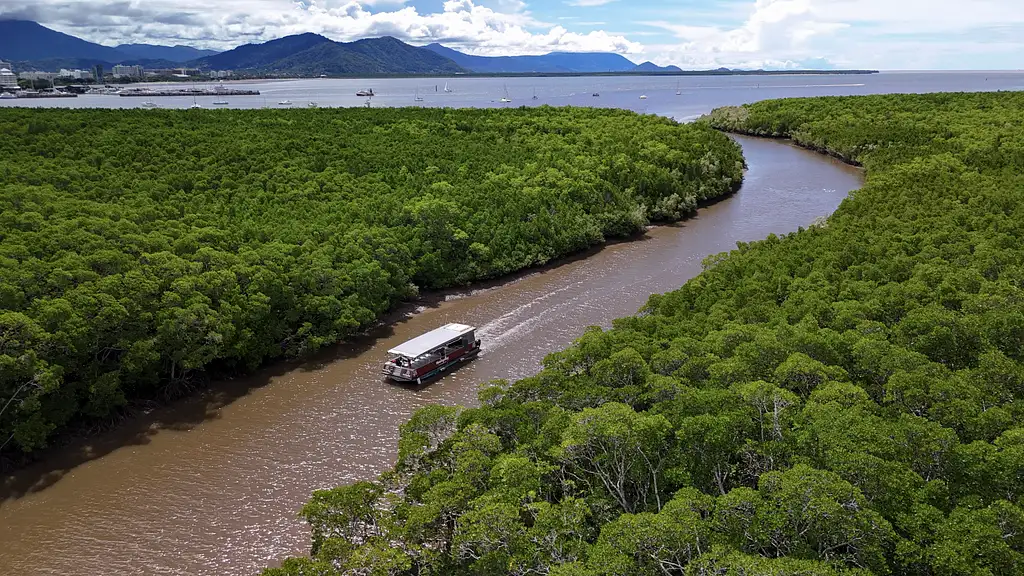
x=430 y=354
x=365 y=92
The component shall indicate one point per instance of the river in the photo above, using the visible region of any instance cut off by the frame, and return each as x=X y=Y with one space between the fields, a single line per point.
x=211 y=485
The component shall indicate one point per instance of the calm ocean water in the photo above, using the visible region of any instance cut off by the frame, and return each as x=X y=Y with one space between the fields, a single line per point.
x=698 y=94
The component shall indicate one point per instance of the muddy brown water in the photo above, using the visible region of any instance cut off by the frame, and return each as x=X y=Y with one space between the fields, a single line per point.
x=211 y=485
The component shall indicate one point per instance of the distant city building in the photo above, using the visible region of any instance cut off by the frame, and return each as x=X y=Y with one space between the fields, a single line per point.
x=48 y=76
x=221 y=73
x=121 y=71
x=7 y=78
x=98 y=71
x=7 y=65
x=75 y=74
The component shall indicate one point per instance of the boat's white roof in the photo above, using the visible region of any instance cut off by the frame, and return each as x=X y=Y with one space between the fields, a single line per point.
x=420 y=345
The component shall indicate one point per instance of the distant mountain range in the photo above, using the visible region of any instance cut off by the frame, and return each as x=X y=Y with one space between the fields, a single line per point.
x=32 y=46
x=652 y=67
x=168 y=53
x=37 y=47
x=22 y=40
x=555 y=62
x=313 y=55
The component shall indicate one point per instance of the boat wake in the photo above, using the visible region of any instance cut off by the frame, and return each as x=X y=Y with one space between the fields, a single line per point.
x=512 y=323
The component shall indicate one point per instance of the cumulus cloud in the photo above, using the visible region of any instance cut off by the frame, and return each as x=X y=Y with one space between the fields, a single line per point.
x=863 y=33
x=506 y=27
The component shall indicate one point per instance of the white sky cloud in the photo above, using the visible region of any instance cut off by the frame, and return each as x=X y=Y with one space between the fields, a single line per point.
x=506 y=28
x=863 y=33
x=883 y=34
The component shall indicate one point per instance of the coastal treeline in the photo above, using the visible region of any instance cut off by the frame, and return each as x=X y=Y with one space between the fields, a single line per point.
x=141 y=250
x=843 y=400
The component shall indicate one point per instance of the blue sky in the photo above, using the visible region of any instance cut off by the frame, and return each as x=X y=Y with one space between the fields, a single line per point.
x=694 y=34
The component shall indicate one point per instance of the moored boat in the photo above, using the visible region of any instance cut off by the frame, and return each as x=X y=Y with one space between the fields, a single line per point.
x=365 y=92
x=430 y=354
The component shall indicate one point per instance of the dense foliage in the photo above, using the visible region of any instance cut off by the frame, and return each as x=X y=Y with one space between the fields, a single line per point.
x=140 y=248
x=842 y=400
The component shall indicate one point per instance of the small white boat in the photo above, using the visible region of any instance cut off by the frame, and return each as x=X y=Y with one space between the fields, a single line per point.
x=505 y=99
x=7 y=96
x=679 y=92
x=643 y=96
x=418 y=98
x=285 y=103
x=149 y=104
x=221 y=103
x=313 y=104
x=368 y=93
x=446 y=88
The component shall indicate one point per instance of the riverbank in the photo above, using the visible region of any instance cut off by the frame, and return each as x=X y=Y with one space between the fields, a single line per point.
x=76 y=446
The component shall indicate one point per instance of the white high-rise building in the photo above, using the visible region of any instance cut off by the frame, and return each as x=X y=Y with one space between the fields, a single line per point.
x=121 y=71
x=75 y=74
x=8 y=78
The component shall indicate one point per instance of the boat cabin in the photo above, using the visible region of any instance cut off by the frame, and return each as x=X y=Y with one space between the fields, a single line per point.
x=430 y=354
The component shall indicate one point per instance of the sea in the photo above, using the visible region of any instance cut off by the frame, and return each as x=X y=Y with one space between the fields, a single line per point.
x=683 y=98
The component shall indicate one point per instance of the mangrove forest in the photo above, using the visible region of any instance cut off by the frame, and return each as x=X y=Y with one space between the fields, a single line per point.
x=838 y=401
x=142 y=251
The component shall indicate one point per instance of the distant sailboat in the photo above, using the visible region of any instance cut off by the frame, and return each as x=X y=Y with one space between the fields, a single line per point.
x=195 y=105
x=505 y=99
x=534 y=93
x=446 y=88
x=418 y=98
x=679 y=92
